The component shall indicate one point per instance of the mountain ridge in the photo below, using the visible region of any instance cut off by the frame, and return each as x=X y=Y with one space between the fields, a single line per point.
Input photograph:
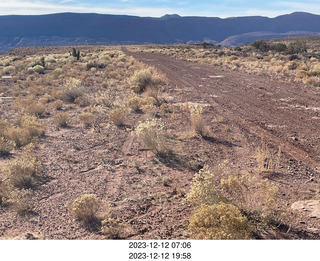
x=39 y=30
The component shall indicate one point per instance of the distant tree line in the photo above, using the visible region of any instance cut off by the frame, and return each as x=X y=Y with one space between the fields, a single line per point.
x=292 y=48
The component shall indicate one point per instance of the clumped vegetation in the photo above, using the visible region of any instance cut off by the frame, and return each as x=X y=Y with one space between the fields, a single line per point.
x=85 y=208
x=219 y=221
x=233 y=209
x=265 y=160
x=62 y=119
x=108 y=89
x=22 y=171
x=203 y=189
x=146 y=78
x=29 y=128
x=72 y=90
x=268 y=57
x=87 y=118
x=6 y=146
x=118 y=116
x=152 y=134
x=197 y=121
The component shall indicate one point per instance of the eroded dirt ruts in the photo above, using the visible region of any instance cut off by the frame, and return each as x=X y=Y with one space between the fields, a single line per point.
x=149 y=195
x=285 y=114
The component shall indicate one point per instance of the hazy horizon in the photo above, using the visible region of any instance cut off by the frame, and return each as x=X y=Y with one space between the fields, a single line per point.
x=158 y=8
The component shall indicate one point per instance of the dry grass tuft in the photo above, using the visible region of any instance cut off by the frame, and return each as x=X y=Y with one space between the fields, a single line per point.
x=22 y=171
x=87 y=118
x=118 y=116
x=197 y=121
x=27 y=130
x=85 y=208
x=265 y=160
x=152 y=134
x=72 y=90
x=6 y=146
x=62 y=119
x=146 y=78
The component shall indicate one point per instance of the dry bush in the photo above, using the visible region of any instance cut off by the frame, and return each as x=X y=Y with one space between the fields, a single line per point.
x=83 y=101
x=9 y=69
x=21 y=103
x=265 y=160
x=4 y=125
x=197 y=121
x=62 y=119
x=112 y=228
x=36 y=108
x=6 y=146
x=21 y=200
x=219 y=221
x=85 y=208
x=146 y=78
x=3 y=192
x=135 y=103
x=87 y=118
x=38 y=69
x=22 y=171
x=203 y=189
x=72 y=90
x=255 y=197
x=32 y=124
x=118 y=116
x=19 y=136
x=166 y=108
x=27 y=130
x=152 y=134
x=58 y=104
x=251 y=194
x=114 y=75
x=314 y=70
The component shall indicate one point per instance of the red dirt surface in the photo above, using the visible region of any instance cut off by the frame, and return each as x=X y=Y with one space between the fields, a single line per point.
x=149 y=195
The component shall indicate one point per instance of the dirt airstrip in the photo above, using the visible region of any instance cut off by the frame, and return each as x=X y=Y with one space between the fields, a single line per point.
x=147 y=194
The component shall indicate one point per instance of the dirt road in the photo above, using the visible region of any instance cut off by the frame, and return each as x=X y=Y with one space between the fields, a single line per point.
x=286 y=114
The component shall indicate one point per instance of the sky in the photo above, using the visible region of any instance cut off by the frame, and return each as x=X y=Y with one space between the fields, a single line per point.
x=158 y=8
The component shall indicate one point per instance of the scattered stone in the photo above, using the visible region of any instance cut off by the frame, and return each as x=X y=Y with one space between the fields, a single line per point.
x=312 y=206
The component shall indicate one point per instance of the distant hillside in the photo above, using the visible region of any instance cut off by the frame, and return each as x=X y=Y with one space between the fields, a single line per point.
x=84 y=29
x=242 y=39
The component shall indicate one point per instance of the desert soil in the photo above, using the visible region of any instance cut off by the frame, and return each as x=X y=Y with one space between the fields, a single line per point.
x=147 y=194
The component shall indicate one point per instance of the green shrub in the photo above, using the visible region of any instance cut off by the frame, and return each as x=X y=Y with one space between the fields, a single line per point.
x=296 y=47
x=261 y=45
x=279 y=47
